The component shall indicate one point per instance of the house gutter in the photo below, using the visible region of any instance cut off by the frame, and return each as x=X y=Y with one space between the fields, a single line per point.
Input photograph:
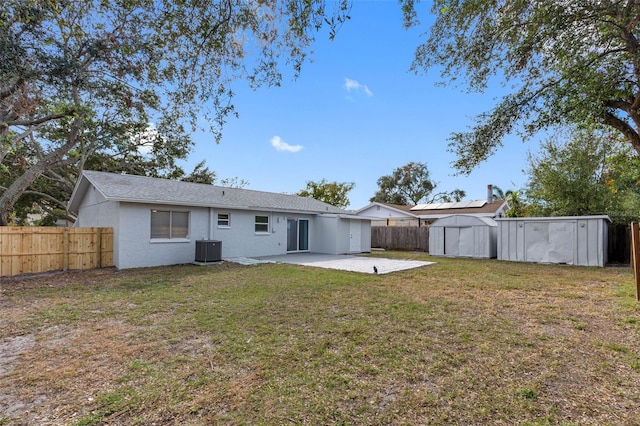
x=219 y=206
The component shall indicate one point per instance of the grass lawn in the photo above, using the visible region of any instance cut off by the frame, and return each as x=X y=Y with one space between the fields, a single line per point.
x=458 y=342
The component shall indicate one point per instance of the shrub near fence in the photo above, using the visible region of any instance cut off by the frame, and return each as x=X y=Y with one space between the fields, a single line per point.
x=400 y=237
x=25 y=250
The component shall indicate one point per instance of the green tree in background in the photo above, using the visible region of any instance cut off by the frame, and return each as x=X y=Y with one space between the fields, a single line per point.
x=518 y=207
x=334 y=193
x=411 y=184
x=567 y=62
x=80 y=77
x=584 y=172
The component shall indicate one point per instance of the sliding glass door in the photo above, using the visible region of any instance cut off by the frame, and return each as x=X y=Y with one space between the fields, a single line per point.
x=297 y=234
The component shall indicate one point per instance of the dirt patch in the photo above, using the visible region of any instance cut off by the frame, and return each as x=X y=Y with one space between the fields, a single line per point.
x=11 y=348
x=57 y=279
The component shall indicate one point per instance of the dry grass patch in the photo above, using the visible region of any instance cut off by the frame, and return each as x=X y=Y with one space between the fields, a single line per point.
x=458 y=342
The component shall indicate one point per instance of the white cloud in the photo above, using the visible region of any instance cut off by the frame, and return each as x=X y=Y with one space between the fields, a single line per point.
x=350 y=85
x=145 y=140
x=281 y=145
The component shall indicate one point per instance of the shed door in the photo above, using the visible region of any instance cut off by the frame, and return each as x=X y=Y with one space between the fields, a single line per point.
x=562 y=242
x=467 y=242
x=459 y=241
x=451 y=241
x=550 y=242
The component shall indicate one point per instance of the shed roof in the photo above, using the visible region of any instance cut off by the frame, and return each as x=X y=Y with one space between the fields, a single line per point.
x=142 y=189
x=553 y=218
x=464 y=220
x=404 y=211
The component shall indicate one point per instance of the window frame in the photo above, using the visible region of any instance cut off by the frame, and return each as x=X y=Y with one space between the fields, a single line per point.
x=171 y=227
x=228 y=220
x=266 y=224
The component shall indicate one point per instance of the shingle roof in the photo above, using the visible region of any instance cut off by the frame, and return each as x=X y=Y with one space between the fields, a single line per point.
x=406 y=209
x=487 y=208
x=141 y=189
x=395 y=207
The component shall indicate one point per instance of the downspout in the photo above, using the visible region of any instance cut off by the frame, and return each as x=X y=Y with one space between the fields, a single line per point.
x=210 y=230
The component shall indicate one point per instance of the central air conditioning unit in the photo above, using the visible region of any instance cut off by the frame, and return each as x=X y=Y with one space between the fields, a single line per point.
x=208 y=251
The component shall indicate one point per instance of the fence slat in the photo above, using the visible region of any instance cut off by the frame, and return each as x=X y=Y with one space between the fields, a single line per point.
x=400 y=237
x=41 y=249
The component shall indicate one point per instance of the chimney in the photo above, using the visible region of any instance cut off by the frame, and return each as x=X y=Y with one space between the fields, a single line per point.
x=489 y=193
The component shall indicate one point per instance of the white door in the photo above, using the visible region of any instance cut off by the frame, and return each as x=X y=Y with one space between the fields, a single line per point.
x=550 y=242
x=562 y=242
x=355 y=236
x=467 y=242
x=451 y=241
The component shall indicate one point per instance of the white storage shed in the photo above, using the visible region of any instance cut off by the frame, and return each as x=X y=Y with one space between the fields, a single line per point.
x=571 y=240
x=463 y=236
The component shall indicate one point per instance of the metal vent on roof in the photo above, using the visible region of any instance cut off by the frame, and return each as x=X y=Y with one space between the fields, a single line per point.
x=457 y=205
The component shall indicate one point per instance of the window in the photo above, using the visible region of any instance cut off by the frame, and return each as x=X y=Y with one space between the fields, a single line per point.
x=262 y=224
x=169 y=224
x=224 y=220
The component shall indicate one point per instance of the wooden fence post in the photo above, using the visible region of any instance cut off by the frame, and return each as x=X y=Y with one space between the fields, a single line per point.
x=65 y=249
x=635 y=255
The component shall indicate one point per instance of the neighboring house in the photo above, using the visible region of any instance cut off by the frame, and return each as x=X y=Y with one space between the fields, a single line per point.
x=158 y=221
x=383 y=214
x=490 y=208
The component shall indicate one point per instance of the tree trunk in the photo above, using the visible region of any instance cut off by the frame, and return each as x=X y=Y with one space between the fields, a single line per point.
x=11 y=195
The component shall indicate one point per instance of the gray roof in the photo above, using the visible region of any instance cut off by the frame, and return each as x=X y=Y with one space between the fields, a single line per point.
x=141 y=189
x=463 y=220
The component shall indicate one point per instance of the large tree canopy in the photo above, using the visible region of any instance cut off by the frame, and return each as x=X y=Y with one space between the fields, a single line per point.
x=584 y=172
x=568 y=61
x=86 y=76
x=334 y=193
x=411 y=184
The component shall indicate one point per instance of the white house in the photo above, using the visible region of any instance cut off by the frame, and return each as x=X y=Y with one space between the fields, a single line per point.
x=490 y=209
x=158 y=221
x=383 y=214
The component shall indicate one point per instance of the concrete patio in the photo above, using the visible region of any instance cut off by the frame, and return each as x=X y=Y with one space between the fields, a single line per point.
x=344 y=262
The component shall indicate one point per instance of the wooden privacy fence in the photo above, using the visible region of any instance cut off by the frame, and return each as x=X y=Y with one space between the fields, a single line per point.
x=400 y=237
x=25 y=250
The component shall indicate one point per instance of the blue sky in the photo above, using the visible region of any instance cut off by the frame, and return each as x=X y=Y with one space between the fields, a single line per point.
x=356 y=113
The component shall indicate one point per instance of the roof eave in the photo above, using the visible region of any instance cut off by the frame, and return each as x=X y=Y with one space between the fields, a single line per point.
x=219 y=206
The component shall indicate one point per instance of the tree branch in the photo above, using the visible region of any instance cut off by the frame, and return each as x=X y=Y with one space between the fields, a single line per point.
x=624 y=127
x=35 y=122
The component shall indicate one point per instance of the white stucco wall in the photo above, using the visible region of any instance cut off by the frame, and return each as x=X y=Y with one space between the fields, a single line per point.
x=133 y=246
x=238 y=239
x=137 y=249
x=96 y=211
x=350 y=228
x=325 y=230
